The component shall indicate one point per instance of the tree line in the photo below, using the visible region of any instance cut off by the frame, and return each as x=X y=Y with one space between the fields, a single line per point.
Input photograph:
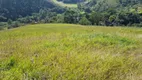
x=14 y=14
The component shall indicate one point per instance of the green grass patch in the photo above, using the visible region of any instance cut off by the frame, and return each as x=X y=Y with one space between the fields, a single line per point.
x=64 y=4
x=70 y=52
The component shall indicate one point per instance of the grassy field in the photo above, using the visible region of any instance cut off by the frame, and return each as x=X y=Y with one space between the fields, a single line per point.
x=64 y=5
x=70 y=52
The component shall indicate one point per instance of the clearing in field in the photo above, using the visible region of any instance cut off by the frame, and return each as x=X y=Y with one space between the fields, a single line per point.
x=64 y=4
x=70 y=52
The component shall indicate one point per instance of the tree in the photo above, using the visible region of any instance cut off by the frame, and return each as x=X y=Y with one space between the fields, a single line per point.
x=71 y=16
x=60 y=18
x=15 y=24
x=95 y=18
x=9 y=21
x=84 y=21
x=12 y=9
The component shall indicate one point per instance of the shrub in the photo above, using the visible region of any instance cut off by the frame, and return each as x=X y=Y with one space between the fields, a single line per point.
x=139 y=25
x=3 y=25
x=84 y=21
x=14 y=25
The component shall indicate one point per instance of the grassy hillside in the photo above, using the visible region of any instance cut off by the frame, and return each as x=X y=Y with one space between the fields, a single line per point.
x=64 y=4
x=71 y=52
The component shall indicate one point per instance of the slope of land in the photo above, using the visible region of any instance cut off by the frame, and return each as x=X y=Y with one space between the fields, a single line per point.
x=103 y=5
x=70 y=52
x=64 y=4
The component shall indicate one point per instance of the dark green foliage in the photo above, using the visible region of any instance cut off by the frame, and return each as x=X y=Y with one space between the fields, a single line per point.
x=71 y=16
x=20 y=8
x=9 y=22
x=14 y=24
x=96 y=12
x=3 y=25
x=103 y=5
x=95 y=18
x=10 y=63
x=7 y=65
x=84 y=21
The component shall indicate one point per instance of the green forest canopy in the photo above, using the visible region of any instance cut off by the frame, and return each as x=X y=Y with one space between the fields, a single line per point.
x=96 y=12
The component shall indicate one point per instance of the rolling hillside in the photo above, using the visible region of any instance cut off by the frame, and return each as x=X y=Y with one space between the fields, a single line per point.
x=70 y=39
x=70 y=52
x=13 y=9
x=71 y=5
x=102 y=5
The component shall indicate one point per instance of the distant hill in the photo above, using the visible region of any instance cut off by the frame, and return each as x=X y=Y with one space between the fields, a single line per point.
x=15 y=8
x=85 y=12
x=102 y=5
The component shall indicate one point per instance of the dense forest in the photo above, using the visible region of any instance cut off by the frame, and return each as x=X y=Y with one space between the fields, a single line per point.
x=89 y=12
x=12 y=9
